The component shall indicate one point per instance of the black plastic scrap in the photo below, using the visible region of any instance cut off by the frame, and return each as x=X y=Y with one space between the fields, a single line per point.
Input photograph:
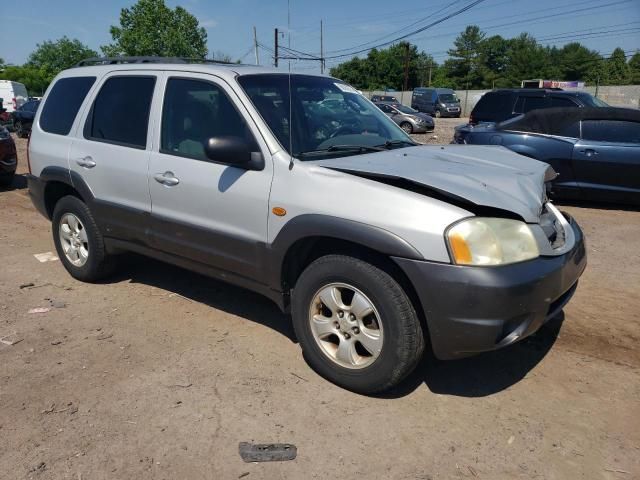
x=267 y=452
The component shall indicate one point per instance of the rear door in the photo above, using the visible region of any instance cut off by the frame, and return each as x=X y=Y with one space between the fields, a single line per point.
x=111 y=153
x=607 y=160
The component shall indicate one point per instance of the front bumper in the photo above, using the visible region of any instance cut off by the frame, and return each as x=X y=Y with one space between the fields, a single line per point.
x=476 y=309
x=422 y=128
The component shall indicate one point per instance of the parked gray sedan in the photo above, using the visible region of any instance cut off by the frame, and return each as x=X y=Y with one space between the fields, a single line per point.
x=410 y=120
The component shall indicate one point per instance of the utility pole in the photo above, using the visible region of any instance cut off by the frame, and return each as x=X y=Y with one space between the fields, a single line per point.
x=255 y=44
x=406 y=67
x=321 y=50
x=430 y=67
x=275 y=49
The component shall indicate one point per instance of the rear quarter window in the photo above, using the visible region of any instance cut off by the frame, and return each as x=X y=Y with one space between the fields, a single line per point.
x=614 y=131
x=63 y=102
x=493 y=107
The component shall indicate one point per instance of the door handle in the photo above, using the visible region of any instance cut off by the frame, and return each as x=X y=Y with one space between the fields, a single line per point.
x=589 y=152
x=166 y=178
x=86 y=162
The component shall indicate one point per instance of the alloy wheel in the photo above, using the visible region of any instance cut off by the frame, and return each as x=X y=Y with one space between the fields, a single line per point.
x=73 y=239
x=346 y=325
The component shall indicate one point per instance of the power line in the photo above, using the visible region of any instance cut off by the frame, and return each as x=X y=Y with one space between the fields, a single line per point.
x=421 y=29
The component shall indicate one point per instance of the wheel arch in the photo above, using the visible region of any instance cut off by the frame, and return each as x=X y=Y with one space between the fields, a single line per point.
x=308 y=237
x=60 y=182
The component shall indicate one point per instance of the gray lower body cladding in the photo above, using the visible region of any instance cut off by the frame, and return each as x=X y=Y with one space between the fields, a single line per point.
x=476 y=309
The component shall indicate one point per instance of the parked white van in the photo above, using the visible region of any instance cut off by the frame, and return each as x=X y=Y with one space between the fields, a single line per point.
x=14 y=94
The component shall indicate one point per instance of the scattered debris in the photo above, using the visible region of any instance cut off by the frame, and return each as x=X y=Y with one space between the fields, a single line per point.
x=614 y=470
x=472 y=470
x=181 y=385
x=242 y=475
x=10 y=342
x=298 y=376
x=45 y=257
x=27 y=285
x=56 y=342
x=56 y=303
x=50 y=409
x=39 y=310
x=39 y=468
x=267 y=452
x=104 y=336
x=511 y=439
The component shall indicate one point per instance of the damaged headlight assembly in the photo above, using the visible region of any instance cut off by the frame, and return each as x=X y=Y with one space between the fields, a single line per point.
x=481 y=241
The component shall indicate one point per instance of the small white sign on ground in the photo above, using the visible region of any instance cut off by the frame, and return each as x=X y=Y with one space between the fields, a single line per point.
x=45 y=257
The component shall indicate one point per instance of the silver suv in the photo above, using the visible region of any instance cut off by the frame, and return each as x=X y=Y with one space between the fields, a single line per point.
x=376 y=245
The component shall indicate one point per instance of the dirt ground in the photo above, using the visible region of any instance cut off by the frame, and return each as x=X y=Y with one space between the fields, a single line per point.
x=159 y=373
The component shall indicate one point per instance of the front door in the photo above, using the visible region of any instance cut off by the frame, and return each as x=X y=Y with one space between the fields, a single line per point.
x=606 y=160
x=204 y=211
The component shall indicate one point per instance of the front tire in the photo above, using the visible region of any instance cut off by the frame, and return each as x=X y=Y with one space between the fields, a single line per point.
x=355 y=324
x=407 y=127
x=78 y=241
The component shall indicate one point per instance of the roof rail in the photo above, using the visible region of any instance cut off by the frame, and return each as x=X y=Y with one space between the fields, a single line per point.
x=119 y=60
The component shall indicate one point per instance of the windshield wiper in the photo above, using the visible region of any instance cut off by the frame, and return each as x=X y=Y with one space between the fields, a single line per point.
x=343 y=148
x=394 y=143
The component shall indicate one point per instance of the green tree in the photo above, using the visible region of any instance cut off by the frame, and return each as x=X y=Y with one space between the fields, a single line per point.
x=579 y=63
x=464 y=64
x=634 y=69
x=617 y=68
x=34 y=79
x=151 y=28
x=51 y=57
x=526 y=59
x=385 y=68
x=493 y=61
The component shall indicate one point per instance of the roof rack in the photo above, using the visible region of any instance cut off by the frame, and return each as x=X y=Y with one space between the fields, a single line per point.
x=119 y=60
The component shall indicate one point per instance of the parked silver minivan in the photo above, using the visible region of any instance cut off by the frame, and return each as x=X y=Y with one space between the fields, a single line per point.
x=376 y=245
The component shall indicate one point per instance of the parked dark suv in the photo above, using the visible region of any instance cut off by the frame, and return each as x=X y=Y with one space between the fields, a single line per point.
x=499 y=105
x=23 y=118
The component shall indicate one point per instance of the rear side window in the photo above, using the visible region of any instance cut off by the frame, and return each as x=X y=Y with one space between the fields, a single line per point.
x=63 y=102
x=526 y=104
x=563 y=102
x=120 y=112
x=615 y=131
x=493 y=107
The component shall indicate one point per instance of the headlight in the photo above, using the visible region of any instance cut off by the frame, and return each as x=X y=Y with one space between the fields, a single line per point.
x=491 y=241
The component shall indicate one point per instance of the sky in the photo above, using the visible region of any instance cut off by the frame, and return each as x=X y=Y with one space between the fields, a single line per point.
x=601 y=25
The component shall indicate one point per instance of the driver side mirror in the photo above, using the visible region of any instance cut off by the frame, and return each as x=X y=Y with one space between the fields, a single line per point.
x=234 y=151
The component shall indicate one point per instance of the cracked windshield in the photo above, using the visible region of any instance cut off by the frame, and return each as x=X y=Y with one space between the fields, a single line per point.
x=330 y=118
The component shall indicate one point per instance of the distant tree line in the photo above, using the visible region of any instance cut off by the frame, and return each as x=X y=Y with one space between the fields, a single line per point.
x=148 y=28
x=480 y=62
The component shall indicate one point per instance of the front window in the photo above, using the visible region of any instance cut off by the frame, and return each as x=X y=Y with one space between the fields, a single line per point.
x=590 y=101
x=405 y=109
x=318 y=117
x=448 y=98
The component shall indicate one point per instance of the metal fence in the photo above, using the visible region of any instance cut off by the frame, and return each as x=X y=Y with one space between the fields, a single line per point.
x=616 y=96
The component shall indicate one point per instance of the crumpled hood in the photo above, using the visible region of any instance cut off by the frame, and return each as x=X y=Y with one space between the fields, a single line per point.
x=490 y=176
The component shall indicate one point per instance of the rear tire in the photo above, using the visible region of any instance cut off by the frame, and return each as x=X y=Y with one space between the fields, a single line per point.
x=6 y=180
x=19 y=129
x=78 y=241
x=367 y=340
x=438 y=114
